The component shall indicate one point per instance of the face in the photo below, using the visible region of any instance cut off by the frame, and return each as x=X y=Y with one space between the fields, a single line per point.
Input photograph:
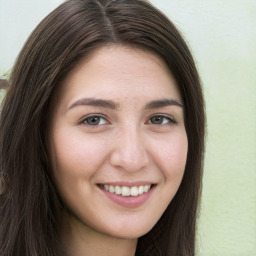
x=118 y=141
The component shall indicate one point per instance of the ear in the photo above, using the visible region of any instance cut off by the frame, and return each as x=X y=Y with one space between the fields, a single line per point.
x=4 y=84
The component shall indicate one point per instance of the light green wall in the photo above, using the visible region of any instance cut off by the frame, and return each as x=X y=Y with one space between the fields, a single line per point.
x=222 y=36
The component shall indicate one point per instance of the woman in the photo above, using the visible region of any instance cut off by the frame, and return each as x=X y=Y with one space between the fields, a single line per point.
x=102 y=136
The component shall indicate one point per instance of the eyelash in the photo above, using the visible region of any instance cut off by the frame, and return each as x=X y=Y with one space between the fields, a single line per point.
x=84 y=121
x=170 y=119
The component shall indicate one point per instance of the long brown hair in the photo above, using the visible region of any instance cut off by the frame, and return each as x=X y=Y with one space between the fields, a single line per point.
x=30 y=210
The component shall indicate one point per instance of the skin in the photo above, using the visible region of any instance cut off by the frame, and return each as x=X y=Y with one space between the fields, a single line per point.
x=130 y=141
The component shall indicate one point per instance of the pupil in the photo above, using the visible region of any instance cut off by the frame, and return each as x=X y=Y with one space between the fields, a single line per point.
x=93 y=120
x=157 y=120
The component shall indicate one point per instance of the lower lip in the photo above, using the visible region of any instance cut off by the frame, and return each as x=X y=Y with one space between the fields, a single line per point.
x=129 y=201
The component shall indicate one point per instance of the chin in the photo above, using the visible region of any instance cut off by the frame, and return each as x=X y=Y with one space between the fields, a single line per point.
x=132 y=232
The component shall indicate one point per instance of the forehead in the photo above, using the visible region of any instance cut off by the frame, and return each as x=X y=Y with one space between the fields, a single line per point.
x=118 y=72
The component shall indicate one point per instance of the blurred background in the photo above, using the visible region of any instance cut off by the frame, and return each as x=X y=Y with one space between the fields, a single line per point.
x=222 y=38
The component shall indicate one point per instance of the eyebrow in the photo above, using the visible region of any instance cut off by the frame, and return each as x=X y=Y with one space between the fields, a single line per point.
x=95 y=102
x=115 y=106
x=164 y=103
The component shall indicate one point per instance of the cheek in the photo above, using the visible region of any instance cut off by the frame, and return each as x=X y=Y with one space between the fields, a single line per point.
x=74 y=155
x=77 y=148
x=172 y=155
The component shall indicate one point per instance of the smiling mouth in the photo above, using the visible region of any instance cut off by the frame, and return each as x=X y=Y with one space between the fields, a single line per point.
x=127 y=191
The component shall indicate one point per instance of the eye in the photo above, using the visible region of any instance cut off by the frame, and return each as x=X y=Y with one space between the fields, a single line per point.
x=94 y=120
x=161 y=120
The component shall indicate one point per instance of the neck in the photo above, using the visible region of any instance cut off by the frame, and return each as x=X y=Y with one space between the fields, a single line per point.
x=80 y=240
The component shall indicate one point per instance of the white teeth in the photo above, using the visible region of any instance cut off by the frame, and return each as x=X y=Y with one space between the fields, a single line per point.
x=146 y=188
x=127 y=191
x=134 y=191
x=118 y=190
x=111 y=189
x=141 y=190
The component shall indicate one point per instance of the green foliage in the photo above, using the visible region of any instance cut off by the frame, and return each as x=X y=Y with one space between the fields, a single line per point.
x=5 y=75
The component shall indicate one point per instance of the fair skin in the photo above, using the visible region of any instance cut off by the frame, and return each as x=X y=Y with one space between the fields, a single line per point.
x=117 y=127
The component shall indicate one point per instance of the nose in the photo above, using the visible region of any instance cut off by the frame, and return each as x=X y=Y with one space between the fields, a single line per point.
x=130 y=153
